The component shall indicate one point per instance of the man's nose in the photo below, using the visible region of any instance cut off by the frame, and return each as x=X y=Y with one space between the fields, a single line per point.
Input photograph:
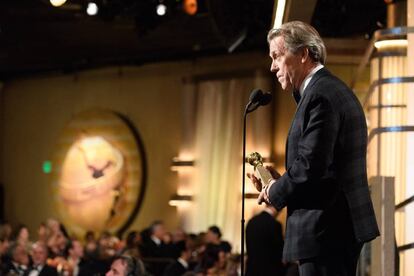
x=273 y=67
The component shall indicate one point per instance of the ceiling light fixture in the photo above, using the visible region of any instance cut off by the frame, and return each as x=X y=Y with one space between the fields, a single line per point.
x=161 y=9
x=92 y=9
x=57 y=3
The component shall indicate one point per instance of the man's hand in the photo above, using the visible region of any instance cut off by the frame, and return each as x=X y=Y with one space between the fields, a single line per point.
x=264 y=190
x=264 y=195
x=256 y=181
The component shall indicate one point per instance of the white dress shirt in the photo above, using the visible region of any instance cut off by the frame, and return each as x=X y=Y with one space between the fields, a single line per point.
x=308 y=78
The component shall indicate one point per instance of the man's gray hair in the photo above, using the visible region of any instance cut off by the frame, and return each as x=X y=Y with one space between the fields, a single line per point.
x=132 y=266
x=298 y=35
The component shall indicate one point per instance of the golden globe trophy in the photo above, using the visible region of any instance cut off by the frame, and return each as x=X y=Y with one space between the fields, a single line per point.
x=256 y=160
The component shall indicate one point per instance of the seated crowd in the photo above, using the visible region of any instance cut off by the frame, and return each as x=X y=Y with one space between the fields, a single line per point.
x=153 y=251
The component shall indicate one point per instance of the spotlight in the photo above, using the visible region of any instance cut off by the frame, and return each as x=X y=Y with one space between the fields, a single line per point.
x=92 y=9
x=57 y=3
x=161 y=9
x=190 y=7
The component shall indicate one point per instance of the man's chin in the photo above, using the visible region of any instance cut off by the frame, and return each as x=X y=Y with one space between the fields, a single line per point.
x=286 y=87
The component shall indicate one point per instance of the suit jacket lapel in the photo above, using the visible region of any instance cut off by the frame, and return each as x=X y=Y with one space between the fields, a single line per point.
x=322 y=72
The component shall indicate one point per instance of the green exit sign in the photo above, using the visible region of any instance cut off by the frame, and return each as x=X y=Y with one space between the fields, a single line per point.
x=47 y=167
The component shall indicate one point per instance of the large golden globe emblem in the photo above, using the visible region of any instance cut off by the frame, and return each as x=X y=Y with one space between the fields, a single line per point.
x=98 y=175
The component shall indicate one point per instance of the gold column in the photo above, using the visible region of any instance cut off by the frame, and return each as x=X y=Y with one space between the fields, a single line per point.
x=391 y=119
x=409 y=230
x=387 y=109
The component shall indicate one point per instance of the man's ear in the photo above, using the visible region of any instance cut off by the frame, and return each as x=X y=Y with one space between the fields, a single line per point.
x=305 y=55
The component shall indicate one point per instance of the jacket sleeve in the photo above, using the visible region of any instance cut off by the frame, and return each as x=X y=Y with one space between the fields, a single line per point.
x=316 y=145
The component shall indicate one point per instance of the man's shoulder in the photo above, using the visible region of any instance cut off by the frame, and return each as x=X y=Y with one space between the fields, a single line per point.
x=329 y=87
x=324 y=78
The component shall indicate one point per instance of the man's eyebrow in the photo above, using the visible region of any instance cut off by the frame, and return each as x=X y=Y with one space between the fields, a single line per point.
x=275 y=53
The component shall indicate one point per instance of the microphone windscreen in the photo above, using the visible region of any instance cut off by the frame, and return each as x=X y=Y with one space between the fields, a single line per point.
x=256 y=95
x=266 y=98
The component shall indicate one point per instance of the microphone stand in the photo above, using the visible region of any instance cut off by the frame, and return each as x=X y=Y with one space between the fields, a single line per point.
x=246 y=111
x=255 y=101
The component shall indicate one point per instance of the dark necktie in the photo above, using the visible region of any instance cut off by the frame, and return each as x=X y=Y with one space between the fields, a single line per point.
x=296 y=95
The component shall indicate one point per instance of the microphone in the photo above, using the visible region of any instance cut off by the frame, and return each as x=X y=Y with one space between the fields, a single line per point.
x=255 y=95
x=258 y=98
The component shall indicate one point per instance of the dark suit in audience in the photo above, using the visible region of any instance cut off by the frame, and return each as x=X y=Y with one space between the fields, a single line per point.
x=175 y=269
x=45 y=270
x=11 y=268
x=151 y=249
x=181 y=265
x=154 y=250
x=264 y=242
x=152 y=238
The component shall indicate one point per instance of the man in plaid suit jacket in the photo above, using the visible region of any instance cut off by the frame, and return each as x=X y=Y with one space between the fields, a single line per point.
x=325 y=188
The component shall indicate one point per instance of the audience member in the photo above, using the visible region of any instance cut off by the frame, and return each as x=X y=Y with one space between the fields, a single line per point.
x=132 y=245
x=264 y=244
x=5 y=231
x=21 y=236
x=42 y=232
x=125 y=266
x=39 y=266
x=209 y=262
x=213 y=236
x=170 y=250
x=54 y=253
x=91 y=245
x=233 y=265
x=57 y=244
x=4 y=247
x=154 y=246
x=182 y=264
x=75 y=253
x=17 y=260
x=179 y=235
x=53 y=225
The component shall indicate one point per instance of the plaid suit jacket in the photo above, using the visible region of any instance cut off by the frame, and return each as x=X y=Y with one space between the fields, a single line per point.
x=325 y=186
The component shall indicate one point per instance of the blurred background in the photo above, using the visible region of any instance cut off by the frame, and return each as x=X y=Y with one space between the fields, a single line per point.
x=116 y=115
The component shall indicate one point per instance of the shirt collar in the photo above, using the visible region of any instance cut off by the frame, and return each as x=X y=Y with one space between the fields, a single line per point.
x=183 y=262
x=308 y=78
x=20 y=266
x=156 y=240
